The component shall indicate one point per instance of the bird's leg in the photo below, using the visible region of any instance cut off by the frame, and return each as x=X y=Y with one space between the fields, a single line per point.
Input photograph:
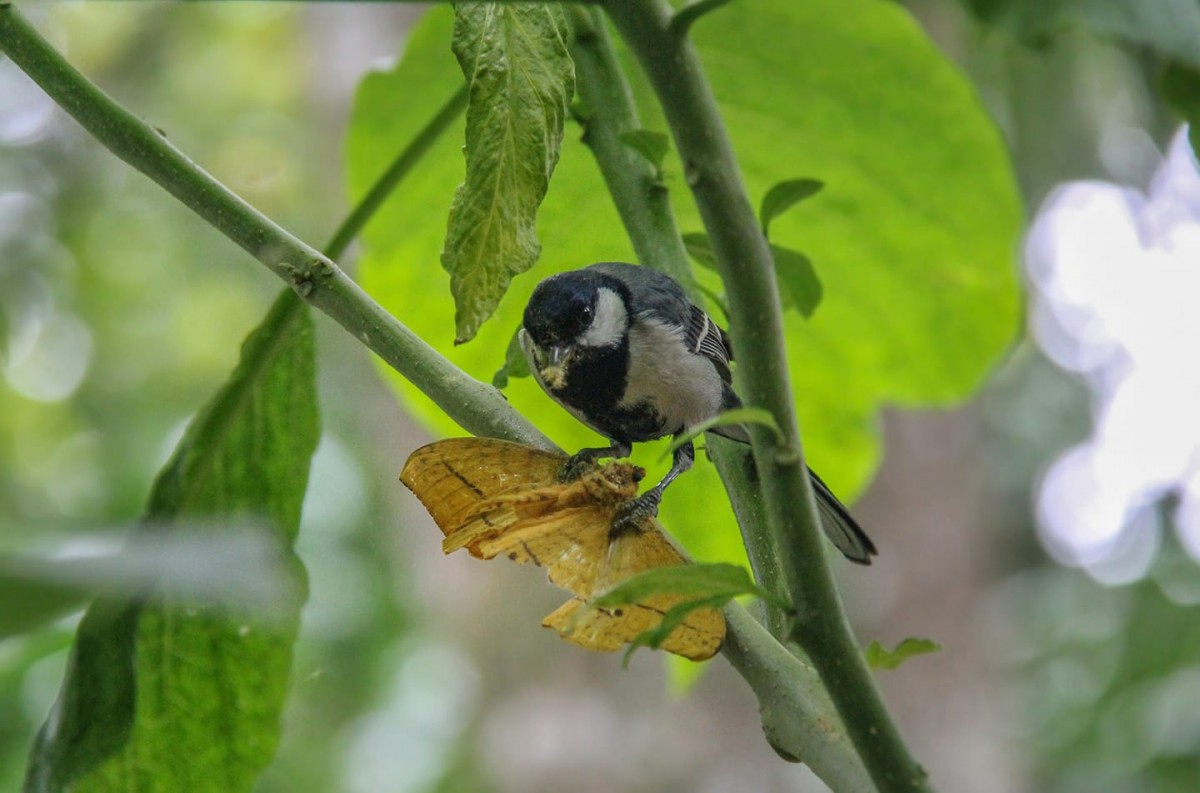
x=629 y=514
x=582 y=461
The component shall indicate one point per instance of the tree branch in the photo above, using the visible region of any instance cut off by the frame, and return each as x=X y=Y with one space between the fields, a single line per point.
x=798 y=717
x=642 y=202
x=744 y=259
x=477 y=407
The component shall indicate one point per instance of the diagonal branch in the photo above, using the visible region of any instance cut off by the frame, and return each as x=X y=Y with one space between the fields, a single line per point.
x=477 y=407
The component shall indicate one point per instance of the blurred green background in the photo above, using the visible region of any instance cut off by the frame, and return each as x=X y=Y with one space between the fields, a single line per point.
x=121 y=313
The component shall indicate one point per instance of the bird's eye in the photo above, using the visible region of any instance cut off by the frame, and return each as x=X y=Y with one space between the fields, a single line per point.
x=587 y=312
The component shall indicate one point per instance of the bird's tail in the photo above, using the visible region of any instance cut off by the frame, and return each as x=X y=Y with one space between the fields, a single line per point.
x=839 y=525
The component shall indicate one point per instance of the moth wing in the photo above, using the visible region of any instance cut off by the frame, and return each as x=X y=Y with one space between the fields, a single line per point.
x=628 y=553
x=453 y=477
x=570 y=543
x=698 y=637
x=700 y=634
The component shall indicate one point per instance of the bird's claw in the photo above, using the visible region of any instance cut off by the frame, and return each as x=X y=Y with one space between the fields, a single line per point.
x=575 y=467
x=629 y=516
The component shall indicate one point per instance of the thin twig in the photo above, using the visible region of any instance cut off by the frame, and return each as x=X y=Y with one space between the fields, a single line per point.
x=685 y=17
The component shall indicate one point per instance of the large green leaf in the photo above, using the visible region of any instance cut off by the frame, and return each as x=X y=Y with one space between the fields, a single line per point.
x=515 y=59
x=913 y=234
x=163 y=693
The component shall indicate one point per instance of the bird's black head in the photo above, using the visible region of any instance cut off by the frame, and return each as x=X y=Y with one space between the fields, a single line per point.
x=578 y=307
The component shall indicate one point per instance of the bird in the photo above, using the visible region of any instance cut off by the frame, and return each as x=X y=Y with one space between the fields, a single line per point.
x=623 y=350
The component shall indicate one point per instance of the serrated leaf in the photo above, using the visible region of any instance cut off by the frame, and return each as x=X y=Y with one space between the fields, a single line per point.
x=653 y=146
x=783 y=196
x=799 y=287
x=161 y=696
x=515 y=362
x=879 y=657
x=514 y=56
x=728 y=418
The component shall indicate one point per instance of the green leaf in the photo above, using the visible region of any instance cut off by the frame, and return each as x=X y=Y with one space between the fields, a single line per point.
x=728 y=418
x=918 y=227
x=653 y=146
x=522 y=79
x=515 y=362
x=706 y=585
x=31 y=602
x=879 y=657
x=799 y=287
x=916 y=233
x=1180 y=86
x=161 y=695
x=695 y=580
x=700 y=249
x=783 y=196
x=672 y=619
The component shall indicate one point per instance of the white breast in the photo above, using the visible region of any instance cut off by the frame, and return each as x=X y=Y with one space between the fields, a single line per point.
x=684 y=388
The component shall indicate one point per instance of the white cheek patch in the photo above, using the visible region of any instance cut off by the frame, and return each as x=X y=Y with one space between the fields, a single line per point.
x=609 y=323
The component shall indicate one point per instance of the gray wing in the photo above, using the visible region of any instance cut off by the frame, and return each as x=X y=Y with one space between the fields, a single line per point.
x=658 y=294
x=703 y=337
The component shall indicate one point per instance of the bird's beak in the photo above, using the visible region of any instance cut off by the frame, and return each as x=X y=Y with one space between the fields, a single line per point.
x=554 y=372
x=559 y=354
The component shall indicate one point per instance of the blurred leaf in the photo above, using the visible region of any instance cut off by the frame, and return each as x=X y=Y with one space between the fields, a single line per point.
x=653 y=146
x=160 y=696
x=728 y=418
x=1180 y=86
x=700 y=249
x=782 y=197
x=879 y=657
x=918 y=235
x=799 y=286
x=243 y=567
x=699 y=580
x=515 y=362
x=515 y=58
x=30 y=603
x=1170 y=28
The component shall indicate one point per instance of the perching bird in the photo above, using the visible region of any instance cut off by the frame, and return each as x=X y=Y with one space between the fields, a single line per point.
x=624 y=351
